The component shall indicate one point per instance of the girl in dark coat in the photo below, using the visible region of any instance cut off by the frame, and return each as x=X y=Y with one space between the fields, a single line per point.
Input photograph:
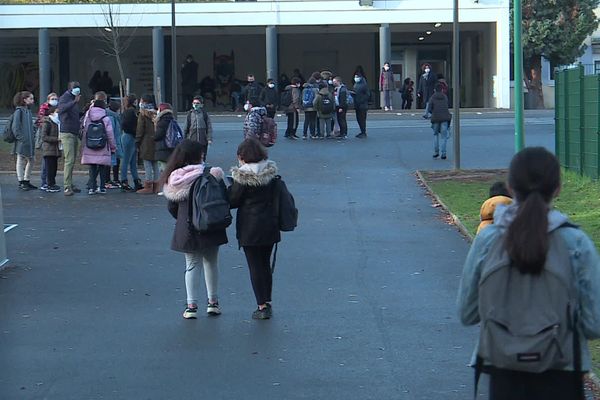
x=22 y=127
x=200 y=249
x=257 y=229
x=161 y=123
x=50 y=150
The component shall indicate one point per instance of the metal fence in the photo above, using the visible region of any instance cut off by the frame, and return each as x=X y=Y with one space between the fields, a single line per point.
x=577 y=114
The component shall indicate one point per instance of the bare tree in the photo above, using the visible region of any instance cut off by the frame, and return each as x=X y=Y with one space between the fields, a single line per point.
x=114 y=35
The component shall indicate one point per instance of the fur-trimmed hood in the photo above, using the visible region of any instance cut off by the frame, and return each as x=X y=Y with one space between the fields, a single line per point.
x=255 y=174
x=180 y=181
x=162 y=114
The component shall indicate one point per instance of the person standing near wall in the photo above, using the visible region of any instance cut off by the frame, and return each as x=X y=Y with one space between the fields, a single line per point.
x=198 y=126
x=22 y=127
x=129 y=129
x=145 y=139
x=51 y=101
x=361 y=104
x=341 y=106
x=68 y=113
x=189 y=80
x=425 y=87
x=386 y=85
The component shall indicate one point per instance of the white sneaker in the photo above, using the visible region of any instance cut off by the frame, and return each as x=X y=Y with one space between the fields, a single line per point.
x=385 y=109
x=213 y=309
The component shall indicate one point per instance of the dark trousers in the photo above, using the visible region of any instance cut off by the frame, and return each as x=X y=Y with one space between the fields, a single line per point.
x=550 y=385
x=406 y=104
x=341 y=118
x=292 y=123
x=93 y=172
x=310 y=122
x=51 y=163
x=361 y=118
x=259 y=265
x=204 y=152
x=115 y=170
x=44 y=173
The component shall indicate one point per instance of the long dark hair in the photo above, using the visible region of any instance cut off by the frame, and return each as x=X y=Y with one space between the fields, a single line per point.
x=534 y=178
x=188 y=152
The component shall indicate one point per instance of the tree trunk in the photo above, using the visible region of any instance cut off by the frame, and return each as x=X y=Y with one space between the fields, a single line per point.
x=533 y=82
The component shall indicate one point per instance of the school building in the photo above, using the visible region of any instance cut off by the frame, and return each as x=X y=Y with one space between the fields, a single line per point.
x=268 y=38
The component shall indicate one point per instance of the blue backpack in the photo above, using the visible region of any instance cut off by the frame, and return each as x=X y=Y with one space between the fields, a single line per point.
x=174 y=135
x=308 y=96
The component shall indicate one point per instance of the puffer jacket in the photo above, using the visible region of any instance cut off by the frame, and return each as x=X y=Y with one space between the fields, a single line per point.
x=161 y=126
x=145 y=134
x=585 y=264
x=49 y=138
x=252 y=193
x=488 y=207
x=177 y=191
x=100 y=156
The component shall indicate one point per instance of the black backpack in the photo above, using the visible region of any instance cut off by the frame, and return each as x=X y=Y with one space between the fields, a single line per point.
x=326 y=104
x=9 y=135
x=208 y=204
x=285 y=206
x=287 y=98
x=95 y=135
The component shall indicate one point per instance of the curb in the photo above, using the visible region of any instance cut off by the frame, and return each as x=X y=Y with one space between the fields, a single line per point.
x=455 y=220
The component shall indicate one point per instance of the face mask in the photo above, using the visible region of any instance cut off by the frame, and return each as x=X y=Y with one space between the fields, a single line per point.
x=427 y=70
x=386 y=68
x=271 y=85
x=356 y=79
x=330 y=82
x=75 y=91
x=246 y=106
x=197 y=106
x=53 y=103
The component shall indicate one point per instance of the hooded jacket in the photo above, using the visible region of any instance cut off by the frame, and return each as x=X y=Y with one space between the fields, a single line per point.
x=584 y=262
x=252 y=193
x=100 y=156
x=177 y=192
x=162 y=121
x=145 y=134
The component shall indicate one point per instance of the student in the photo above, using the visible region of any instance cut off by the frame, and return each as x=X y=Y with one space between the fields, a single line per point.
x=115 y=119
x=324 y=104
x=97 y=158
x=50 y=150
x=530 y=250
x=200 y=249
x=440 y=120
x=256 y=229
x=309 y=91
x=498 y=195
x=70 y=125
x=144 y=138
x=51 y=101
x=198 y=126
x=407 y=94
x=22 y=127
x=294 y=94
x=129 y=128
x=161 y=126
x=386 y=85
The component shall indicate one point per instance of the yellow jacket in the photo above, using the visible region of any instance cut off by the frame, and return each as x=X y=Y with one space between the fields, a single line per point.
x=487 y=210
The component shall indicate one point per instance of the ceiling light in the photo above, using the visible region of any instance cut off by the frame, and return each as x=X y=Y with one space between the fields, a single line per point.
x=107 y=29
x=437 y=24
x=428 y=32
x=421 y=38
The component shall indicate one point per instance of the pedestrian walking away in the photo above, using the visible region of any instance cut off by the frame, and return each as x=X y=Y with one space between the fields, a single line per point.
x=440 y=121
x=387 y=85
x=256 y=228
x=201 y=249
x=23 y=130
x=531 y=281
x=361 y=104
x=68 y=114
x=198 y=126
x=144 y=138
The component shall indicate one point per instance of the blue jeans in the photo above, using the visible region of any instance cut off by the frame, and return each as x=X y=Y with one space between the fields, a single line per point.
x=44 y=174
x=93 y=172
x=152 y=170
x=129 y=159
x=440 y=131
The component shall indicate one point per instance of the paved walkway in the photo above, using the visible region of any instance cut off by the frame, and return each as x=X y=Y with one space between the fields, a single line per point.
x=364 y=290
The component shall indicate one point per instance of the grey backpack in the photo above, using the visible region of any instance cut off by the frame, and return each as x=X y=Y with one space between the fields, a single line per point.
x=527 y=321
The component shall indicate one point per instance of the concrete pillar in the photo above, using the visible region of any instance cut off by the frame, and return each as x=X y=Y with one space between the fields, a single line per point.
x=503 y=60
x=44 y=63
x=385 y=52
x=271 y=46
x=158 y=61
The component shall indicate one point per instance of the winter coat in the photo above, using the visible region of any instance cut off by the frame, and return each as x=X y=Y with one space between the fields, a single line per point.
x=308 y=86
x=269 y=96
x=22 y=127
x=115 y=120
x=438 y=107
x=251 y=93
x=487 y=210
x=49 y=138
x=161 y=126
x=426 y=85
x=252 y=193
x=100 y=156
x=68 y=114
x=144 y=135
x=296 y=99
x=129 y=120
x=177 y=191
x=341 y=97
x=361 y=95
x=585 y=264
x=198 y=126
x=318 y=103
x=386 y=80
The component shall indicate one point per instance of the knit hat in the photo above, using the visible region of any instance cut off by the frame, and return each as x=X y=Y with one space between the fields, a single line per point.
x=164 y=106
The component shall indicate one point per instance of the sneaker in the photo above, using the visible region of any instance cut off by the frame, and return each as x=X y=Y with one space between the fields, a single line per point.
x=44 y=187
x=75 y=189
x=443 y=156
x=110 y=185
x=362 y=136
x=101 y=191
x=23 y=186
x=91 y=192
x=53 y=189
x=313 y=137
x=436 y=155
x=126 y=188
x=265 y=313
x=304 y=137
x=213 y=309
x=385 y=109
x=190 y=313
x=29 y=185
x=69 y=192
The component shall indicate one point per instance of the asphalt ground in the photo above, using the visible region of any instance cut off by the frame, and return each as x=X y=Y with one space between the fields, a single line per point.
x=364 y=290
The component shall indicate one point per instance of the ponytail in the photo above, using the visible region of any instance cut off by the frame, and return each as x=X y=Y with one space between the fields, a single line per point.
x=527 y=236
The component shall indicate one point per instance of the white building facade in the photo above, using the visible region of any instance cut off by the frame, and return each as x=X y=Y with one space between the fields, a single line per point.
x=267 y=38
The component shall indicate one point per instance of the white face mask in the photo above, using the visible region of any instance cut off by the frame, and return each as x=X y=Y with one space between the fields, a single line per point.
x=75 y=91
x=247 y=107
x=386 y=68
x=271 y=85
x=53 y=103
x=427 y=70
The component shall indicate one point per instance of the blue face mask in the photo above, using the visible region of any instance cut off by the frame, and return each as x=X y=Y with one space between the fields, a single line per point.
x=75 y=91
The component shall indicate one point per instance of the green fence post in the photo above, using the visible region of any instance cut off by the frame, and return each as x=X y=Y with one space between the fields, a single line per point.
x=567 y=119
x=557 y=87
x=581 y=121
x=598 y=125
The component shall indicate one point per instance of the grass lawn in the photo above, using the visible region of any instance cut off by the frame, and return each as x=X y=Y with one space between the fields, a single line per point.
x=463 y=193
